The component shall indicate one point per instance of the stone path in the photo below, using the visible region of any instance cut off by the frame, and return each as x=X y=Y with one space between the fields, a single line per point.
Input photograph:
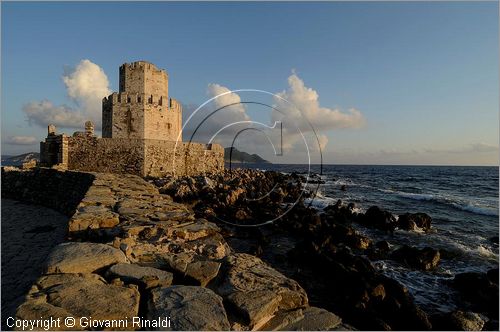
x=29 y=233
x=130 y=245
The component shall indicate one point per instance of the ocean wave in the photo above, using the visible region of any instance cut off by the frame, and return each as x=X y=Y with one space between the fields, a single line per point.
x=455 y=203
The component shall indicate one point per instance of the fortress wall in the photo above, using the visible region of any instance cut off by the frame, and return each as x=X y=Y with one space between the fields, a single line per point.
x=188 y=159
x=52 y=188
x=106 y=155
x=160 y=121
x=143 y=157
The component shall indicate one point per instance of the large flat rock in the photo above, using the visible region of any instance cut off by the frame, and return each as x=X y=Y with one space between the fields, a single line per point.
x=256 y=290
x=80 y=295
x=82 y=257
x=315 y=319
x=190 y=308
x=140 y=275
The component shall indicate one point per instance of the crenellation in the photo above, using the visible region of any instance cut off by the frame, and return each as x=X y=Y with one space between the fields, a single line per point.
x=141 y=129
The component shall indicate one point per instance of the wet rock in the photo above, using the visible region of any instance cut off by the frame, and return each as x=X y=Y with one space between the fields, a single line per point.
x=378 y=218
x=80 y=295
x=82 y=257
x=494 y=240
x=424 y=259
x=145 y=276
x=246 y=276
x=360 y=242
x=410 y=221
x=189 y=308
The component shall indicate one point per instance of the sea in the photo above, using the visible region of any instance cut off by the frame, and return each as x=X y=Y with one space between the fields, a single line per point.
x=462 y=201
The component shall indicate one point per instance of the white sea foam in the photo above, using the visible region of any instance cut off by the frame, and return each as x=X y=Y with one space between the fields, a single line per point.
x=447 y=200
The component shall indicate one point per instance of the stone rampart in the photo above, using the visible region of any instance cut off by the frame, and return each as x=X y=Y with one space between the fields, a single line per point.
x=52 y=188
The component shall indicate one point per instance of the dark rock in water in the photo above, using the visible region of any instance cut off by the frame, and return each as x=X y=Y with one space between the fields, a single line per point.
x=493 y=275
x=479 y=290
x=408 y=221
x=383 y=245
x=424 y=259
x=491 y=325
x=343 y=188
x=378 y=218
x=457 y=321
x=494 y=239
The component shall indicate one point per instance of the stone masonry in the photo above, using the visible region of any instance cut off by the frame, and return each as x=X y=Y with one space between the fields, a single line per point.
x=133 y=252
x=141 y=133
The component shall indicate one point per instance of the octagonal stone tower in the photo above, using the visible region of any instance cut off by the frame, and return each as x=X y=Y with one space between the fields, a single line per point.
x=142 y=108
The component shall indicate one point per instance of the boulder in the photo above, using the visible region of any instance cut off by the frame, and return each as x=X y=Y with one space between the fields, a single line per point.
x=80 y=295
x=282 y=319
x=211 y=247
x=189 y=308
x=202 y=271
x=479 y=290
x=378 y=218
x=145 y=276
x=82 y=257
x=383 y=245
x=458 y=321
x=200 y=228
x=424 y=259
x=256 y=290
x=410 y=221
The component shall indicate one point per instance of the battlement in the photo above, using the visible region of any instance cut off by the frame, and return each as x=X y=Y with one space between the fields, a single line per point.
x=141 y=65
x=122 y=98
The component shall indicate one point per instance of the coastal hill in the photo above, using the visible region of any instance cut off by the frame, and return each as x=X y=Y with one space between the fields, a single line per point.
x=20 y=159
x=242 y=157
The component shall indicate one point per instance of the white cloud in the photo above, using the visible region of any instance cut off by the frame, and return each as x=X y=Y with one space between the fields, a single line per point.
x=299 y=108
x=86 y=85
x=44 y=112
x=224 y=116
x=307 y=107
x=21 y=140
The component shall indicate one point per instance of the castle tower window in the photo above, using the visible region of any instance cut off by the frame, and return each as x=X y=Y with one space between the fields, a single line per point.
x=169 y=125
x=139 y=99
x=128 y=99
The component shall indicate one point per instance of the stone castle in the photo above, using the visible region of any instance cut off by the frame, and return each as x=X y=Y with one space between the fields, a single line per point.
x=141 y=133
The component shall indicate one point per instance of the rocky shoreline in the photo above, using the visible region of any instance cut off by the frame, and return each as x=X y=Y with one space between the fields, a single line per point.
x=322 y=250
x=169 y=248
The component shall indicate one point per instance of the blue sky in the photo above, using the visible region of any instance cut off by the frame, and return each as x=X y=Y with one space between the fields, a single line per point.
x=424 y=76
